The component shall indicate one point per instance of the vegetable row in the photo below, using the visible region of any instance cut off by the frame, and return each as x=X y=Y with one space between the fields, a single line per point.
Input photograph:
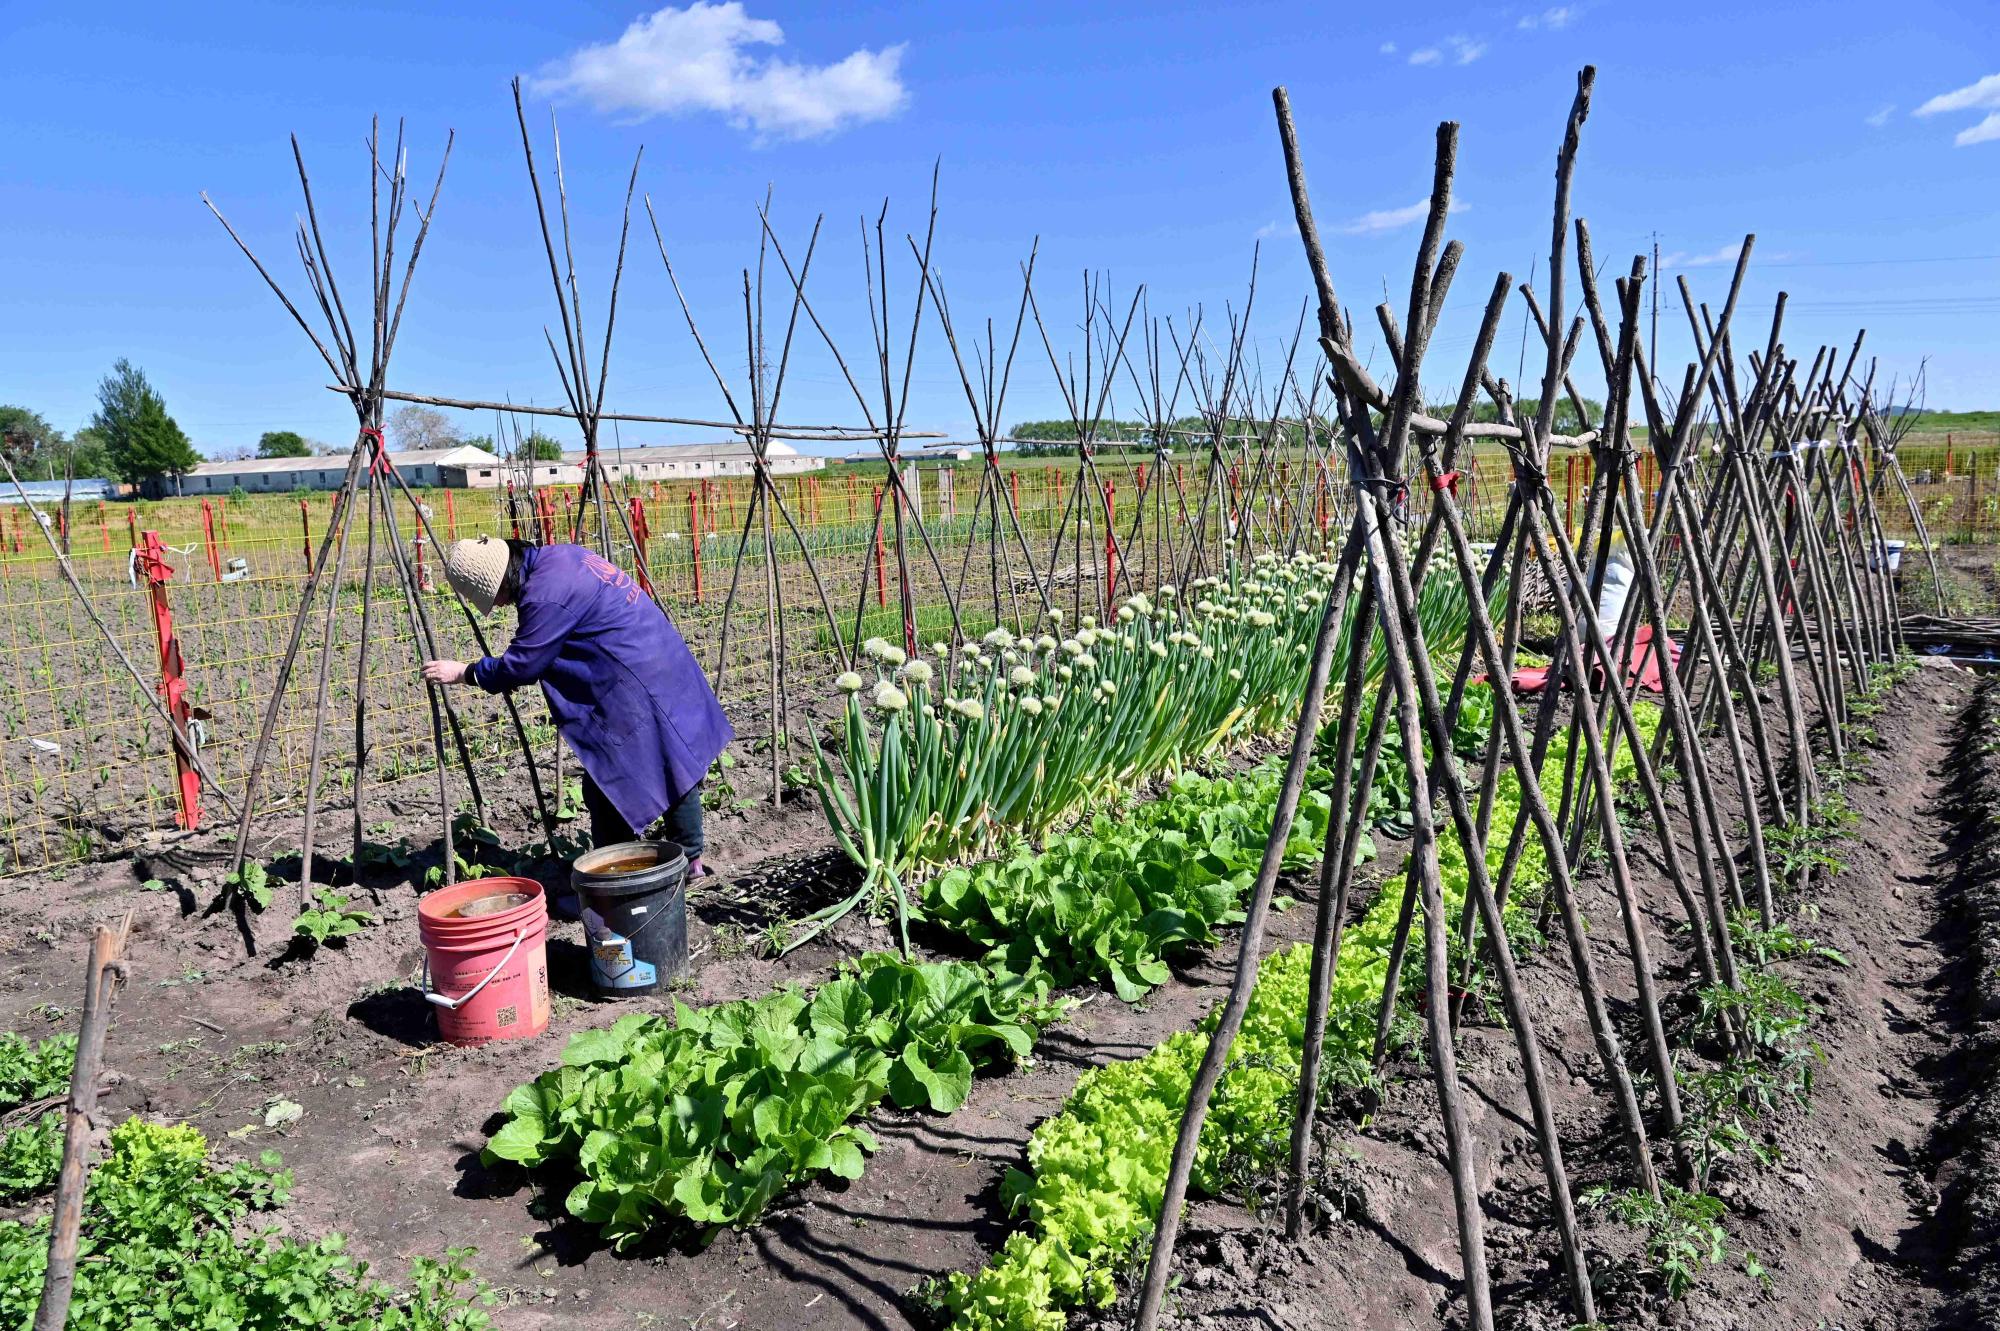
x=939 y=758
x=1098 y=1169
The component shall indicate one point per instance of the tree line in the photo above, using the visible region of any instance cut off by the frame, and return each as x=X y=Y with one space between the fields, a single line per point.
x=134 y=439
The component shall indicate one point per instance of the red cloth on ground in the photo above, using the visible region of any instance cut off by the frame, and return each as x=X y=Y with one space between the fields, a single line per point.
x=1642 y=666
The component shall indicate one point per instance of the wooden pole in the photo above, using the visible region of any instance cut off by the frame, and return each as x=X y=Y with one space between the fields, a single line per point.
x=81 y=1132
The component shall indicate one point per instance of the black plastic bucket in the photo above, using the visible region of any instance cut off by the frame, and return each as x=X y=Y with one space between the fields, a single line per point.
x=634 y=914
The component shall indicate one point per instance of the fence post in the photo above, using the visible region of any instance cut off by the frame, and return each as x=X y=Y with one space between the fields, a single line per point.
x=104 y=526
x=694 y=536
x=1972 y=499
x=173 y=686
x=306 y=535
x=450 y=518
x=1569 y=495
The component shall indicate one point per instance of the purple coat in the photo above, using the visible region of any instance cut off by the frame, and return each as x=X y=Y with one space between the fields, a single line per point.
x=623 y=687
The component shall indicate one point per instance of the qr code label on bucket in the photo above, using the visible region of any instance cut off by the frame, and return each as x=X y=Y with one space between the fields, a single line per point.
x=506 y=1017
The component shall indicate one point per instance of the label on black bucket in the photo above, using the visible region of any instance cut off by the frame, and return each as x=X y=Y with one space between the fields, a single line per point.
x=612 y=965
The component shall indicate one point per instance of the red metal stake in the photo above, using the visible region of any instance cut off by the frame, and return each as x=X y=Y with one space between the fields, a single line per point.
x=450 y=518
x=1110 y=548
x=104 y=526
x=173 y=687
x=208 y=540
x=881 y=566
x=639 y=534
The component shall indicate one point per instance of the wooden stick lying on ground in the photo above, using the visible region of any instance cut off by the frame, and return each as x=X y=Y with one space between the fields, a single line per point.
x=107 y=969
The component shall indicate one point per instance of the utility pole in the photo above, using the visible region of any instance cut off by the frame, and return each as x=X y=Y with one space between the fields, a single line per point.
x=1653 y=342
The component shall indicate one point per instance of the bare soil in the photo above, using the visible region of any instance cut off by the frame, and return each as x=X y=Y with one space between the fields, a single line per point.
x=1847 y=1223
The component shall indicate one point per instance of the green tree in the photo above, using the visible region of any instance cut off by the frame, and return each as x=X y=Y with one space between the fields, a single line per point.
x=140 y=438
x=34 y=447
x=1566 y=421
x=538 y=447
x=283 y=444
x=88 y=454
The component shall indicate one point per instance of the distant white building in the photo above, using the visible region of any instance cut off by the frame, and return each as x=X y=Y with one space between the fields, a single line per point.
x=420 y=468
x=83 y=488
x=664 y=462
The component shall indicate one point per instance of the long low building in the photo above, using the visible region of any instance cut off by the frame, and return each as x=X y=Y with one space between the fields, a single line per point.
x=423 y=467
x=470 y=467
x=661 y=462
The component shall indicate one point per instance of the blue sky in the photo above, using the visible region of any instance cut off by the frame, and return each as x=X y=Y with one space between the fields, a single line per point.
x=1856 y=140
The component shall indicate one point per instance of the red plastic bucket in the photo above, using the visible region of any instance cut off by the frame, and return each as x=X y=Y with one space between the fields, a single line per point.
x=487 y=972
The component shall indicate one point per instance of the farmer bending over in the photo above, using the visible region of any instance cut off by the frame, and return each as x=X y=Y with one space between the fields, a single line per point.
x=624 y=689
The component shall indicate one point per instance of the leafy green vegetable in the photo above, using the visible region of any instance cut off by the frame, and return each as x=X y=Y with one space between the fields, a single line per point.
x=30 y=1158
x=34 y=1071
x=161 y=1249
x=709 y=1117
x=1116 y=900
x=331 y=920
x=251 y=883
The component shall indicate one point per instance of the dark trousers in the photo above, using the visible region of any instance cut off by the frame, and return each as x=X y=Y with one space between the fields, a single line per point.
x=680 y=824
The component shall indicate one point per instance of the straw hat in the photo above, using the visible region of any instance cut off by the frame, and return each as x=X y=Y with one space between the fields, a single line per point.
x=476 y=569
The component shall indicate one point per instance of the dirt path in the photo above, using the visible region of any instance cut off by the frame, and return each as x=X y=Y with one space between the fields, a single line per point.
x=1843 y=1221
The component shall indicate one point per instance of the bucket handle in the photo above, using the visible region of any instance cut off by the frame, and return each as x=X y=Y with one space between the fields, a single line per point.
x=454 y=1004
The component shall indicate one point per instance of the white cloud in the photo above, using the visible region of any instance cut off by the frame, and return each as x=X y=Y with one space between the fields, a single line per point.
x=678 y=61
x=1972 y=97
x=1552 y=19
x=1268 y=230
x=1986 y=131
x=1428 y=55
x=1983 y=95
x=1387 y=48
x=1465 y=50
x=1394 y=219
x=1678 y=259
x=1881 y=117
